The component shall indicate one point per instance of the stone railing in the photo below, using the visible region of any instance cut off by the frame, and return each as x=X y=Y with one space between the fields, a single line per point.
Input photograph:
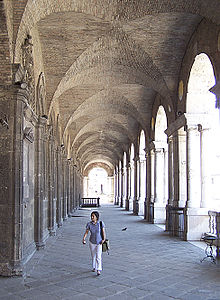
x=90 y=202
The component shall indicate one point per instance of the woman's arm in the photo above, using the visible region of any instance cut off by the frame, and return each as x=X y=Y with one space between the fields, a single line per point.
x=103 y=234
x=85 y=235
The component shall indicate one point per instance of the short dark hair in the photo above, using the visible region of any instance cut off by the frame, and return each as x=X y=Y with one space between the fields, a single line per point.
x=96 y=213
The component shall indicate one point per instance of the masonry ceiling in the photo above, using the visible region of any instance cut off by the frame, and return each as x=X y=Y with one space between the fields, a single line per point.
x=105 y=62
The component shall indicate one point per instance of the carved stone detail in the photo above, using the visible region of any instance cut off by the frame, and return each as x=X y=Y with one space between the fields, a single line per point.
x=28 y=66
x=28 y=134
x=41 y=95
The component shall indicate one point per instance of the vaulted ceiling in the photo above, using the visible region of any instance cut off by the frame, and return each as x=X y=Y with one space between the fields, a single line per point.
x=105 y=62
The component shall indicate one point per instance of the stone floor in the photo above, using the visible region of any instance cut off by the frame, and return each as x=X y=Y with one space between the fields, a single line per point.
x=144 y=263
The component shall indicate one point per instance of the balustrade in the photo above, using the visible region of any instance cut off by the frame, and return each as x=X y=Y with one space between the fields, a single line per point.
x=90 y=202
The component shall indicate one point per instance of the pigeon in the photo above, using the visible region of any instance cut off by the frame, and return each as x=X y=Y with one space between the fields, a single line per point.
x=124 y=229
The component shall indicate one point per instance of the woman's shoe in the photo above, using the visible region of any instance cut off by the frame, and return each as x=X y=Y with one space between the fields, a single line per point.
x=98 y=273
x=93 y=270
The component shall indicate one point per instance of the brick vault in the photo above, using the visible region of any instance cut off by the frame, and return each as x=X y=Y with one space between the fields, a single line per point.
x=81 y=82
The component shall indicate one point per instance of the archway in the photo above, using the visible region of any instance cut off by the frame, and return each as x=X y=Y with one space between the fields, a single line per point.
x=161 y=167
x=99 y=184
x=201 y=108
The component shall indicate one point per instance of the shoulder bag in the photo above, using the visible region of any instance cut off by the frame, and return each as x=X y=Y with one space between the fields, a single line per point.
x=105 y=245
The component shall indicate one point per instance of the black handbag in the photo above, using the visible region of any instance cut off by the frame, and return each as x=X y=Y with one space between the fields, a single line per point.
x=105 y=245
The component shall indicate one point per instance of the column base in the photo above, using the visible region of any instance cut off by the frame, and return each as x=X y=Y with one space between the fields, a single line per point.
x=121 y=202
x=159 y=214
x=60 y=223
x=135 y=207
x=52 y=232
x=130 y=204
x=42 y=242
x=141 y=211
x=9 y=270
x=127 y=204
x=149 y=211
x=196 y=223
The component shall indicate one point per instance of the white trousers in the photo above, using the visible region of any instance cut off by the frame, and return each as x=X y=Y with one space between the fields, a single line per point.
x=96 y=253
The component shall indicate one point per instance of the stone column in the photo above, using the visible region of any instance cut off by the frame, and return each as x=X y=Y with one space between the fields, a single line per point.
x=193 y=167
x=77 y=188
x=170 y=171
x=51 y=187
x=59 y=188
x=152 y=189
x=143 y=183
x=148 y=186
x=206 y=167
x=197 y=218
x=159 y=205
x=138 y=183
x=12 y=103
x=182 y=168
x=68 y=189
x=111 y=187
x=74 y=187
x=118 y=185
x=116 y=188
x=122 y=185
x=71 y=189
x=127 y=185
x=41 y=202
x=65 y=186
x=131 y=197
x=135 y=201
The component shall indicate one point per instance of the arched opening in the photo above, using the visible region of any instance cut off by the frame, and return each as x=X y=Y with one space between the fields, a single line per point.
x=142 y=170
x=98 y=185
x=161 y=167
x=205 y=157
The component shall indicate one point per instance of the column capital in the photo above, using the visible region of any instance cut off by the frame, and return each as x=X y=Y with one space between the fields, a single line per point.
x=176 y=125
x=136 y=158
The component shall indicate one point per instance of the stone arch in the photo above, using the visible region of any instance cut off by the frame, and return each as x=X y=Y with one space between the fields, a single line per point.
x=201 y=79
x=107 y=167
x=202 y=119
x=169 y=112
x=161 y=166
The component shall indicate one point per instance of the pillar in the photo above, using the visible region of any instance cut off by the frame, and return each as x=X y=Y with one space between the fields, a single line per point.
x=59 y=184
x=41 y=200
x=122 y=185
x=135 y=183
x=148 y=186
x=142 y=187
x=159 y=205
x=128 y=172
x=193 y=168
x=206 y=167
x=196 y=217
x=52 y=226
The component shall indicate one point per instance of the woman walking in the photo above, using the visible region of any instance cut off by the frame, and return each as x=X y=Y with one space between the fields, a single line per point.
x=97 y=238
